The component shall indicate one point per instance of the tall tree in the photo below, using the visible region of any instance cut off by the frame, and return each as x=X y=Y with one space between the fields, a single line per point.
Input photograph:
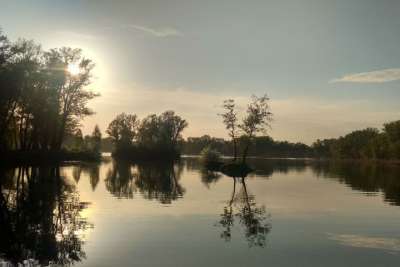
x=231 y=123
x=257 y=120
x=70 y=73
x=96 y=139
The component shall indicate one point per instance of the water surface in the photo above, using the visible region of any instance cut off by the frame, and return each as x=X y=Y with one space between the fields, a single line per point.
x=287 y=213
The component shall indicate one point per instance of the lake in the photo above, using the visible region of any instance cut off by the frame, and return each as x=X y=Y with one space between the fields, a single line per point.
x=286 y=213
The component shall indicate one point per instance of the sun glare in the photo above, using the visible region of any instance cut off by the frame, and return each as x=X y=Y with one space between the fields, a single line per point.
x=73 y=69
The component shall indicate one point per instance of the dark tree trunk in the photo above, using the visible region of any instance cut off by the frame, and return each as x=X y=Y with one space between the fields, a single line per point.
x=234 y=150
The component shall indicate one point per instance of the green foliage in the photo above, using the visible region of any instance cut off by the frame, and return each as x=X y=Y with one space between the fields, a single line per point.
x=153 y=137
x=257 y=120
x=209 y=155
x=231 y=123
x=369 y=143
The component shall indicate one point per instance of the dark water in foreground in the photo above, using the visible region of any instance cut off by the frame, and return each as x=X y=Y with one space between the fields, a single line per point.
x=287 y=213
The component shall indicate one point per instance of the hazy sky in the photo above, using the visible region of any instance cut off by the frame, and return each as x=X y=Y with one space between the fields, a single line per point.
x=328 y=66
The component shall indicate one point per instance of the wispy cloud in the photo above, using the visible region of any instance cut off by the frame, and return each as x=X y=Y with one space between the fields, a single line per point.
x=378 y=76
x=359 y=241
x=77 y=35
x=160 y=33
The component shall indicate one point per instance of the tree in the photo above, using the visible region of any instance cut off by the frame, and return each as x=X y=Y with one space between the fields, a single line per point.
x=96 y=139
x=257 y=120
x=171 y=127
x=161 y=131
x=37 y=87
x=123 y=129
x=72 y=95
x=231 y=123
x=392 y=131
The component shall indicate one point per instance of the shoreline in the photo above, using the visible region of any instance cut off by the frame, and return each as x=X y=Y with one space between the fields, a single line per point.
x=311 y=159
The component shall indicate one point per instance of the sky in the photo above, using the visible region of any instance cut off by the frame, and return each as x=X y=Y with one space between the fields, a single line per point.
x=329 y=67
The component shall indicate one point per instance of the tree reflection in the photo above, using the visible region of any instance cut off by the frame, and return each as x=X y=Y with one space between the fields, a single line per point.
x=40 y=217
x=364 y=176
x=153 y=181
x=90 y=169
x=119 y=180
x=243 y=208
x=208 y=177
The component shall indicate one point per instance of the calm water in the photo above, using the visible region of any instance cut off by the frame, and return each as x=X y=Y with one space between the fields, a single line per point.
x=287 y=213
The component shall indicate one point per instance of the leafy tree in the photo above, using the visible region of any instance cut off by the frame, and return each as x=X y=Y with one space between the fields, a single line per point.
x=172 y=127
x=392 y=131
x=153 y=137
x=231 y=123
x=257 y=120
x=36 y=87
x=70 y=87
x=161 y=131
x=123 y=129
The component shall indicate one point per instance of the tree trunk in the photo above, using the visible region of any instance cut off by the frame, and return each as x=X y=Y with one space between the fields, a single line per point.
x=245 y=151
x=234 y=150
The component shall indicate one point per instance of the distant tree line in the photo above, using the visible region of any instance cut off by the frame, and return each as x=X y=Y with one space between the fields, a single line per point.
x=369 y=143
x=262 y=146
x=43 y=96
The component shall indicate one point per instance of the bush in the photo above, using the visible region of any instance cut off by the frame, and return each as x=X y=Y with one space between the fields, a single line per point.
x=210 y=156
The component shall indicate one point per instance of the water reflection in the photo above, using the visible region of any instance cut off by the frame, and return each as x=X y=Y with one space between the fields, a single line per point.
x=158 y=181
x=40 y=217
x=90 y=169
x=243 y=208
x=369 y=178
x=41 y=210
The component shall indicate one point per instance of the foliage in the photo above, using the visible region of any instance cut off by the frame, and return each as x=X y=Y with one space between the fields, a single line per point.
x=123 y=129
x=369 y=143
x=231 y=123
x=210 y=156
x=41 y=102
x=154 y=137
x=263 y=146
x=256 y=120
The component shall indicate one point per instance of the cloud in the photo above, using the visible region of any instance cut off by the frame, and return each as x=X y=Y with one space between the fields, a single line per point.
x=359 y=241
x=77 y=35
x=160 y=33
x=379 y=76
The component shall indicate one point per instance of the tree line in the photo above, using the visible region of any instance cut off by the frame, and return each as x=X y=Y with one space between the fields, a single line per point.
x=43 y=95
x=366 y=144
x=369 y=143
x=262 y=146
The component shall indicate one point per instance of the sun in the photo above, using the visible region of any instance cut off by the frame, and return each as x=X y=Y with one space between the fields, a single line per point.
x=73 y=69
